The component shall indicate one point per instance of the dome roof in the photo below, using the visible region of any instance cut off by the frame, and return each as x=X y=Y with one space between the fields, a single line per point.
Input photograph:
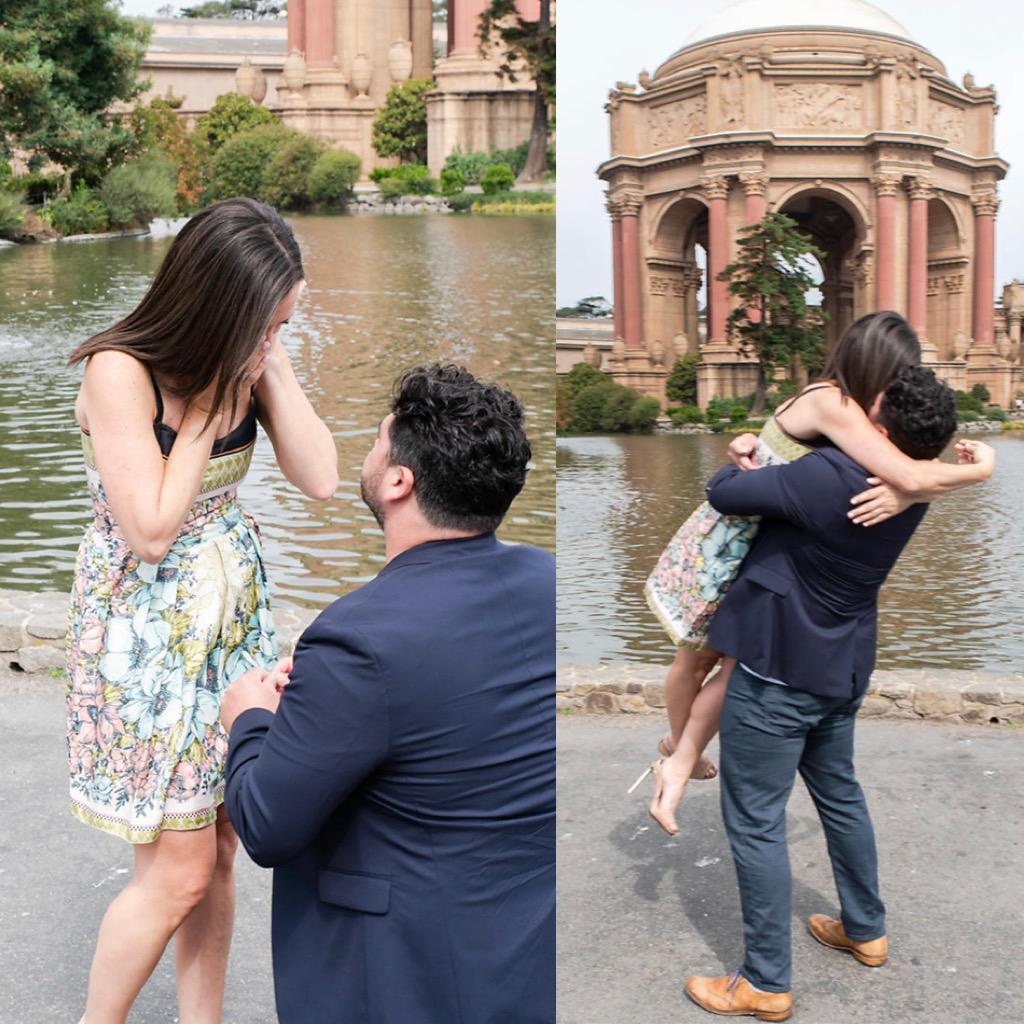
x=758 y=15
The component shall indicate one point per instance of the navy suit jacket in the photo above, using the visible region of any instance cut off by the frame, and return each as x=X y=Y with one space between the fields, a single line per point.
x=405 y=793
x=804 y=606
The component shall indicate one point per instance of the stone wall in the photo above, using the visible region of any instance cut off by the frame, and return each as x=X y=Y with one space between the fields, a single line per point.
x=978 y=697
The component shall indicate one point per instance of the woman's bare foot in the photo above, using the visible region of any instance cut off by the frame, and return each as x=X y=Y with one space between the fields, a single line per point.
x=670 y=785
x=705 y=768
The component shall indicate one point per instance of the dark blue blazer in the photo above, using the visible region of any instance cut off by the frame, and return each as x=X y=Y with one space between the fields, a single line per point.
x=405 y=795
x=804 y=607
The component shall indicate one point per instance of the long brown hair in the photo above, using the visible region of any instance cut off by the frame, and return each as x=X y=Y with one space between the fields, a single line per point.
x=211 y=301
x=870 y=354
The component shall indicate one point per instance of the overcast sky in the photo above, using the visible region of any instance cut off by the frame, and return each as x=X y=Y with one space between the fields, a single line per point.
x=604 y=41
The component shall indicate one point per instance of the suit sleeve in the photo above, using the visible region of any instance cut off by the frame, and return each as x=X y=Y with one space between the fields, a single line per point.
x=288 y=772
x=793 y=492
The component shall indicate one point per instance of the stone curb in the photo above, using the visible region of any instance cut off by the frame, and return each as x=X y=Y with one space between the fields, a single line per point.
x=33 y=626
x=976 y=697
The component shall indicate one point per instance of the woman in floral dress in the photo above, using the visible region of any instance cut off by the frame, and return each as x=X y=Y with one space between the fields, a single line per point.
x=170 y=601
x=704 y=557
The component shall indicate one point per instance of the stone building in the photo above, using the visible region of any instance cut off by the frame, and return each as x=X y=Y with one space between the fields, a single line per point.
x=835 y=116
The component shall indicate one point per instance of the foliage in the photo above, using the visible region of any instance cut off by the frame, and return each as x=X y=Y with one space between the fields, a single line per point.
x=239 y=164
x=529 y=43
x=12 y=212
x=242 y=10
x=333 y=175
x=82 y=213
x=686 y=414
x=497 y=178
x=408 y=180
x=514 y=202
x=285 y=181
x=968 y=417
x=156 y=125
x=62 y=64
x=461 y=202
x=769 y=281
x=995 y=412
x=967 y=402
x=722 y=408
x=230 y=115
x=681 y=383
x=37 y=187
x=400 y=127
x=588 y=400
x=780 y=392
x=593 y=307
x=140 y=190
x=471 y=165
x=452 y=181
x=981 y=393
x=738 y=414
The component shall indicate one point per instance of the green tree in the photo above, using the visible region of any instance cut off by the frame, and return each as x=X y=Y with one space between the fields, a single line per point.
x=681 y=383
x=240 y=164
x=529 y=43
x=241 y=10
x=772 y=318
x=62 y=64
x=230 y=115
x=333 y=175
x=400 y=127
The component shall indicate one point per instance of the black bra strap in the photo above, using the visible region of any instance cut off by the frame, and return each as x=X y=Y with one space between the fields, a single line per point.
x=806 y=391
x=159 y=397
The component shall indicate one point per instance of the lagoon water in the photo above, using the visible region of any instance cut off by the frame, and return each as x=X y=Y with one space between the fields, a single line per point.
x=385 y=293
x=955 y=599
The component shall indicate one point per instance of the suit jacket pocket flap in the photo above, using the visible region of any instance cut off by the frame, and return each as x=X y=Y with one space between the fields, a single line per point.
x=767 y=578
x=368 y=893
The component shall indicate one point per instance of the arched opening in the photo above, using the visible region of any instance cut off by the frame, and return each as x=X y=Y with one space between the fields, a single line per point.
x=948 y=296
x=836 y=230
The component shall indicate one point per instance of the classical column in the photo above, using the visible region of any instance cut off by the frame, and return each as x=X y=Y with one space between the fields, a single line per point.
x=756 y=206
x=297 y=26
x=917 y=291
x=465 y=15
x=985 y=206
x=691 y=305
x=1015 y=317
x=618 y=297
x=319 y=27
x=716 y=191
x=886 y=189
x=632 y=323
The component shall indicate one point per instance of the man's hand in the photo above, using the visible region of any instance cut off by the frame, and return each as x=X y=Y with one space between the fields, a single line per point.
x=976 y=453
x=882 y=501
x=279 y=675
x=252 y=689
x=741 y=451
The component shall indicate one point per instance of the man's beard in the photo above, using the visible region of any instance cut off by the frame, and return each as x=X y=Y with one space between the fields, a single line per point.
x=369 y=500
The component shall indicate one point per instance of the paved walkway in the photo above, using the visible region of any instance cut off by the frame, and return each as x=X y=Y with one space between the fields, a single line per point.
x=57 y=877
x=638 y=911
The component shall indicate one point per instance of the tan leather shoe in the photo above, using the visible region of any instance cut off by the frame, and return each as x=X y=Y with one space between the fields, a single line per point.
x=732 y=996
x=829 y=932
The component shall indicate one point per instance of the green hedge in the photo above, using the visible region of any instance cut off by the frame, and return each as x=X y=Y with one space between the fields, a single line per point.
x=406 y=180
x=82 y=213
x=240 y=164
x=333 y=175
x=12 y=212
x=286 y=180
x=589 y=401
x=497 y=178
x=140 y=190
x=685 y=414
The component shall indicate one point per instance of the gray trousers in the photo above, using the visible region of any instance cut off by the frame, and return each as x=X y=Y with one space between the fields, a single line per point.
x=768 y=734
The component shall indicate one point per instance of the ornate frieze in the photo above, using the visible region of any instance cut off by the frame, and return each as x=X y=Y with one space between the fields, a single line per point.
x=951 y=284
x=985 y=203
x=754 y=183
x=907 y=73
x=948 y=122
x=921 y=188
x=887 y=183
x=673 y=124
x=730 y=90
x=827 y=106
x=715 y=187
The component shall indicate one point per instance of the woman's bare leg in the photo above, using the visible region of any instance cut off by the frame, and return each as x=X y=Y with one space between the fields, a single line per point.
x=202 y=943
x=685 y=677
x=674 y=772
x=171 y=877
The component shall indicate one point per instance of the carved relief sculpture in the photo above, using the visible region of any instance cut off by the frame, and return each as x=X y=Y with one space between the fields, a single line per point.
x=822 y=105
x=948 y=122
x=906 y=91
x=730 y=90
x=673 y=124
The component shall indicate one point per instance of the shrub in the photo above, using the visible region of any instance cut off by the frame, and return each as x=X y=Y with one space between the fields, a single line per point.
x=461 y=202
x=471 y=165
x=966 y=402
x=140 y=190
x=643 y=413
x=995 y=412
x=968 y=416
x=239 y=165
x=515 y=157
x=82 y=213
x=12 y=212
x=333 y=175
x=738 y=414
x=452 y=181
x=400 y=127
x=588 y=406
x=285 y=181
x=378 y=174
x=602 y=405
x=36 y=187
x=497 y=178
x=681 y=384
x=781 y=392
x=686 y=414
x=229 y=116
x=981 y=393
x=719 y=409
x=408 y=180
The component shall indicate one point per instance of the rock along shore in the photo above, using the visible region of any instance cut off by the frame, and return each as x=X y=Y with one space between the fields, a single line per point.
x=936 y=694
x=33 y=626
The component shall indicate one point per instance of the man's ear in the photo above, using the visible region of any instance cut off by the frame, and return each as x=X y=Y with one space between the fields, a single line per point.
x=400 y=482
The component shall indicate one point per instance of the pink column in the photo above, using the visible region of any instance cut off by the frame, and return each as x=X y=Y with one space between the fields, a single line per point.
x=319 y=33
x=716 y=190
x=618 y=297
x=917 y=293
x=529 y=10
x=464 y=15
x=985 y=206
x=632 y=320
x=297 y=26
x=756 y=203
x=886 y=186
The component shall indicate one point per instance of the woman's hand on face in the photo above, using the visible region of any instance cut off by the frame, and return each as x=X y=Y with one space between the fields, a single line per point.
x=741 y=451
x=880 y=502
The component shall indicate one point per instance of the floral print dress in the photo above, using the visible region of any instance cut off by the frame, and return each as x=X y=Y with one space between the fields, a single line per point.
x=151 y=649
x=703 y=558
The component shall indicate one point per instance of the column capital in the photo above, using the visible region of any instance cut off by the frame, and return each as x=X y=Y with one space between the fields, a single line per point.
x=627 y=201
x=921 y=187
x=985 y=202
x=715 y=187
x=887 y=183
x=613 y=205
x=755 y=183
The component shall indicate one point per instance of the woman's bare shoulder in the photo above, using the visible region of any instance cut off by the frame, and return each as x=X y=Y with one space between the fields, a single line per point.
x=113 y=379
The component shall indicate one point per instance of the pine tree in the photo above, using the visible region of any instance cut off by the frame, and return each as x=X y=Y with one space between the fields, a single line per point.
x=772 y=319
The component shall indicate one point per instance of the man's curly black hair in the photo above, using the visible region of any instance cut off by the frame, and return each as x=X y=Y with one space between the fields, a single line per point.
x=919 y=412
x=463 y=441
